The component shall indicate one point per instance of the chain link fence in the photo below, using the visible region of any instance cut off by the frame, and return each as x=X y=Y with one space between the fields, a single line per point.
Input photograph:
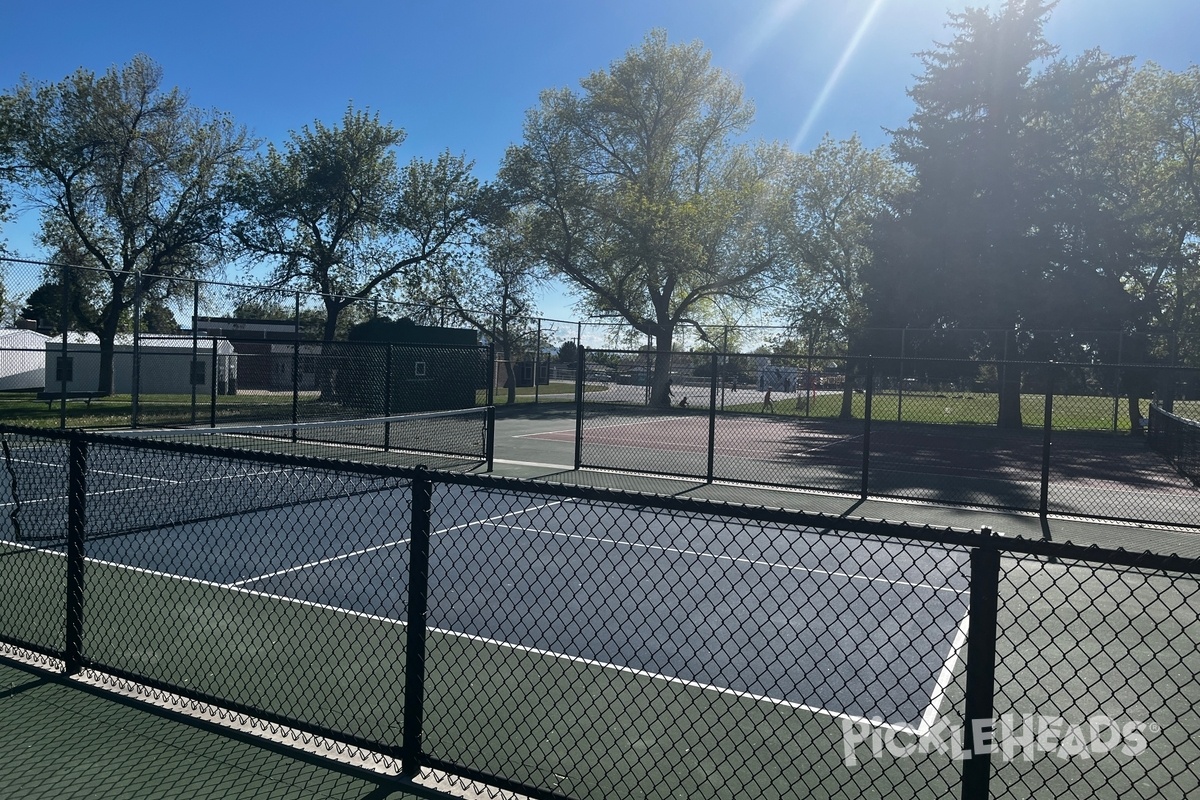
x=564 y=641
x=1044 y=437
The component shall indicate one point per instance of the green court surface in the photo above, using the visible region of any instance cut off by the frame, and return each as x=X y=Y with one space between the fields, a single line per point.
x=62 y=739
x=1070 y=643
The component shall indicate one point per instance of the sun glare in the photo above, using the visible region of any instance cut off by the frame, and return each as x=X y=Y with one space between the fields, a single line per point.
x=831 y=82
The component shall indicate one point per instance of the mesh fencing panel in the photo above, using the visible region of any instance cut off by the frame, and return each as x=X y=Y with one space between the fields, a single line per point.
x=578 y=642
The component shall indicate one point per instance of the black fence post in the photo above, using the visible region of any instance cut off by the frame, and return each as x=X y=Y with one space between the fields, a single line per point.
x=1047 y=435
x=136 y=367
x=76 y=526
x=65 y=374
x=866 y=454
x=418 y=596
x=489 y=445
x=981 y=668
x=490 y=375
x=212 y=388
x=195 y=344
x=712 y=418
x=296 y=362
x=580 y=366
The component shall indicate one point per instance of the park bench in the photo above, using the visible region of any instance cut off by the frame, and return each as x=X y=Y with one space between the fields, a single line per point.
x=50 y=398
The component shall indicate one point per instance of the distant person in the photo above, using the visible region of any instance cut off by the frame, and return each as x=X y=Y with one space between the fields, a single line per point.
x=735 y=384
x=768 y=405
x=683 y=403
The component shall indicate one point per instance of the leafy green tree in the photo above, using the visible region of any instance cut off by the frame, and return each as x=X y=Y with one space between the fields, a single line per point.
x=491 y=287
x=1008 y=227
x=337 y=215
x=568 y=352
x=1155 y=152
x=640 y=192
x=130 y=179
x=840 y=189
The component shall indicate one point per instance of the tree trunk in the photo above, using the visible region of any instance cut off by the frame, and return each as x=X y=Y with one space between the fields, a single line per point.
x=1010 y=397
x=660 y=392
x=104 y=383
x=847 y=411
x=510 y=374
x=326 y=369
x=1134 y=405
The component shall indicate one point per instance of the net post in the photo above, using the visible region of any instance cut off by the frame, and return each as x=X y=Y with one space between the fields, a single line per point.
x=580 y=367
x=418 y=595
x=979 y=710
x=76 y=526
x=1047 y=434
x=712 y=418
x=866 y=453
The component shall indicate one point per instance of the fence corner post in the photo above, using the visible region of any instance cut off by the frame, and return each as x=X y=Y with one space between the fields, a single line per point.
x=418 y=598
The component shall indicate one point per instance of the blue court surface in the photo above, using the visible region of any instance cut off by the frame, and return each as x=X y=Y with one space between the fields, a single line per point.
x=830 y=622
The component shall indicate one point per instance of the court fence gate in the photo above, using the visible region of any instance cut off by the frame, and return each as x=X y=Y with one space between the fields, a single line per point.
x=564 y=641
x=912 y=429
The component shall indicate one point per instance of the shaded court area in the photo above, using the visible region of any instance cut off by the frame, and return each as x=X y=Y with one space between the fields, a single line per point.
x=67 y=739
x=1076 y=473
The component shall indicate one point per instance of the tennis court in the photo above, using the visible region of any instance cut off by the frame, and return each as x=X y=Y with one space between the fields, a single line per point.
x=751 y=608
x=578 y=641
x=1084 y=473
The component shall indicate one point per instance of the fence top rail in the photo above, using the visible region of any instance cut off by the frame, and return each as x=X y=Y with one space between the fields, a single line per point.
x=1155 y=408
x=893 y=529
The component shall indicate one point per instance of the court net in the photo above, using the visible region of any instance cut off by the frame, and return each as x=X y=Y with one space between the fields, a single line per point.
x=1177 y=439
x=433 y=439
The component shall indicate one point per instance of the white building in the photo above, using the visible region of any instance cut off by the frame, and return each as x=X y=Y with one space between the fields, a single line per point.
x=166 y=364
x=22 y=359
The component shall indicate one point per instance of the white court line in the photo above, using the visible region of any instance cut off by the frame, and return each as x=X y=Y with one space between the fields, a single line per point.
x=741 y=694
x=732 y=559
x=384 y=546
x=933 y=710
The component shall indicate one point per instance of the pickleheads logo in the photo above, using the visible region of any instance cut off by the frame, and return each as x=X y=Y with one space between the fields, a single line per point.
x=1010 y=737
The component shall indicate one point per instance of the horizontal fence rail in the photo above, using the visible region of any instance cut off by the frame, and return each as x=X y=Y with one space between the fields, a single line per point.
x=565 y=641
x=1062 y=439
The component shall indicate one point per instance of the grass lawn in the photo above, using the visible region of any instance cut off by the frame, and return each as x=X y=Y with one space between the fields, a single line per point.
x=23 y=408
x=1070 y=412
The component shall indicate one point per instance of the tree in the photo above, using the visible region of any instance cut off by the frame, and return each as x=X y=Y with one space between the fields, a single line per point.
x=337 y=215
x=568 y=352
x=839 y=190
x=1155 y=153
x=638 y=193
x=492 y=288
x=1008 y=227
x=132 y=182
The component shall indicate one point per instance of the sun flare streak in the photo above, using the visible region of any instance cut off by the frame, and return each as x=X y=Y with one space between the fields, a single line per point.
x=831 y=82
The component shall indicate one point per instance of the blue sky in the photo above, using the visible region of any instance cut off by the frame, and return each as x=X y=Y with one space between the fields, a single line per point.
x=461 y=75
